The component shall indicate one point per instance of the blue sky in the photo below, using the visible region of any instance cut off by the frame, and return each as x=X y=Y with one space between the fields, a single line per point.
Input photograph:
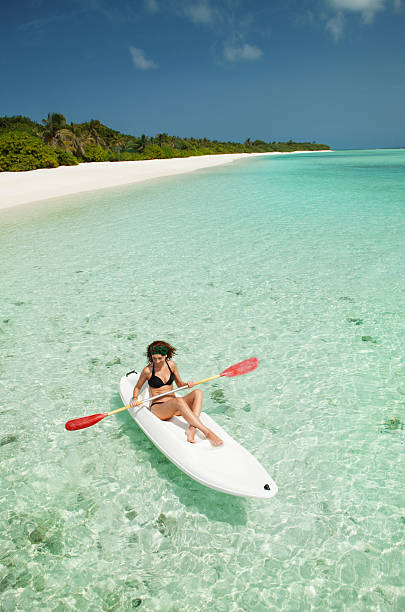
x=326 y=70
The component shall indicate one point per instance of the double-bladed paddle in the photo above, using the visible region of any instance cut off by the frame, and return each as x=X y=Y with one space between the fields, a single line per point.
x=236 y=370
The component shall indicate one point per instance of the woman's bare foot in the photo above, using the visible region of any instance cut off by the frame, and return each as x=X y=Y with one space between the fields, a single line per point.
x=190 y=433
x=213 y=438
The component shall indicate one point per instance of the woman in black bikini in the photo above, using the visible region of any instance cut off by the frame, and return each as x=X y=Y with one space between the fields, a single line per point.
x=162 y=368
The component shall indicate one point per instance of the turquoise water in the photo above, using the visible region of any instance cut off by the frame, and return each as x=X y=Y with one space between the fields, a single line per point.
x=298 y=260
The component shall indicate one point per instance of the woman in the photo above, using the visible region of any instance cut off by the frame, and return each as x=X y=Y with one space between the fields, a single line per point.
x=160 y=373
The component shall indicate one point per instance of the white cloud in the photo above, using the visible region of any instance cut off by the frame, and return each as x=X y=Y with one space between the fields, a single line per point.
x=140 y=61
x=152 y=6
x=200 y=12
x=243 y=52
x=335 y=25
x=367 y=8
x=229 y=21
x=359 y=5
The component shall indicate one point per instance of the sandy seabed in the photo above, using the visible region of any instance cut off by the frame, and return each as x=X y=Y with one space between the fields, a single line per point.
x=23 y=187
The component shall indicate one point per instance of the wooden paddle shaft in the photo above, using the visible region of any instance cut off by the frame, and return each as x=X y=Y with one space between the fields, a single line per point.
x=149 y=399
x=206 y=379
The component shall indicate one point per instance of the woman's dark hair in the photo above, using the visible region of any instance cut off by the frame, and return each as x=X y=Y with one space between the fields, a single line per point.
x=160 y=347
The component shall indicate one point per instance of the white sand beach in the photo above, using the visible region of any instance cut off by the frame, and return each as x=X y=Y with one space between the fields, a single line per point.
x=23 y=187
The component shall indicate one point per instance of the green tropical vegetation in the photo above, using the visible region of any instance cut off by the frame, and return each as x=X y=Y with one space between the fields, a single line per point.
x=27 y=145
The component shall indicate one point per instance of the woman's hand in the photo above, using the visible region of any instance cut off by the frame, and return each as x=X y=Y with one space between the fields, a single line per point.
x=190 y=384
x=134 y=402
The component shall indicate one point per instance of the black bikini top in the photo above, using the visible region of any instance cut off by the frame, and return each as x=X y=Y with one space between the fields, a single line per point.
x=156 y=382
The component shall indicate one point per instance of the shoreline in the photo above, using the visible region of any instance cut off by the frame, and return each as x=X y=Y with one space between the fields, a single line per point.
x=17 y=188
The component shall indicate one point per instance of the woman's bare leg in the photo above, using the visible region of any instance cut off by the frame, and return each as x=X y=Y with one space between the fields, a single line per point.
x=194 y=401
x=169 y=408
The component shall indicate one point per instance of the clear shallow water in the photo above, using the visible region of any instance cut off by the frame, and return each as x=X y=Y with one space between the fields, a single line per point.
x=299 y=260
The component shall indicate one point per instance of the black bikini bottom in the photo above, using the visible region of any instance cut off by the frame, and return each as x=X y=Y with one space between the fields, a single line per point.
x=154 y=404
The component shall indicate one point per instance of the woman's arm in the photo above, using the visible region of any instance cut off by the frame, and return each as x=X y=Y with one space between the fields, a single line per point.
x=141 y=381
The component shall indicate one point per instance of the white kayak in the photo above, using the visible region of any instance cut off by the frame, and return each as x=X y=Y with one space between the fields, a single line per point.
x=228 y=468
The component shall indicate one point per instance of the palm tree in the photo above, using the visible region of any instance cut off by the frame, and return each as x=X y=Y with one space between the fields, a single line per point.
x=55 y=124
x=94 y=124
x=77 y=144
x=131 y=146
x=142 y=142
x=58 y=134
x=117 y=144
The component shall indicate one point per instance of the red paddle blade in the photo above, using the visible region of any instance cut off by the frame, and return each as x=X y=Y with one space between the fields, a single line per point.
x=243 y=367
x=83 y=422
